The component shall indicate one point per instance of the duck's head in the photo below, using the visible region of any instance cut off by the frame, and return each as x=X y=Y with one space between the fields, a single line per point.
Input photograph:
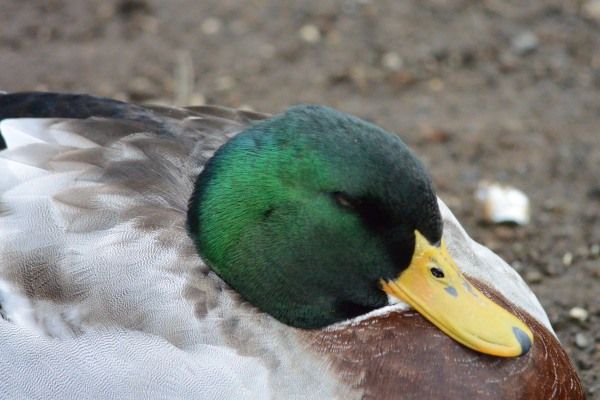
x=315 y=216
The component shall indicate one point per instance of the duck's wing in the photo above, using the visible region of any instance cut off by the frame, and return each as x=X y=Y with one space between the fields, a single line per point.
x=100 y=286
x=93 y=201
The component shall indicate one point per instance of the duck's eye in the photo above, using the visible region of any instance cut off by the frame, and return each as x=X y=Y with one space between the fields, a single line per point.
x=342 y=200
x=438 y=273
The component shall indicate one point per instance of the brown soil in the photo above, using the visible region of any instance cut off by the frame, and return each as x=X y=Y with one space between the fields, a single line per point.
x=506 y=91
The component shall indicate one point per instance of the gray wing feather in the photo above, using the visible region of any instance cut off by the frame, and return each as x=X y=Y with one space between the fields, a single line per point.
x=121 y=365
x=103 y=294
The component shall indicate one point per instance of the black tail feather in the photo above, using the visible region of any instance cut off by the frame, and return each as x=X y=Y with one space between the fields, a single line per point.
x=60 y=105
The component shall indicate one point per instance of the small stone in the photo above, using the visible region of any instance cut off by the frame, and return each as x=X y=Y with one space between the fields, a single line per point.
x=508 y=61
x=431 y=134
x=533 y=276
x=567 y=259
x=524 y=43
x=141 y=88
x=106 y=10
x=197 y=99
x=224 y=83
x=140 y=83
x=551 y=205
x=359 y=76
x=581 y=340
x=211 y=26
x=392 y=61
x=246 y=107
x=436 y=84
x=595 y=250
x=499 y=203
x=519 y=249
x=401 y=79
x=555 y=318
x=553 y=269
x=310 y=34
x=591 y=9
x=121 y=96
x=578 y=313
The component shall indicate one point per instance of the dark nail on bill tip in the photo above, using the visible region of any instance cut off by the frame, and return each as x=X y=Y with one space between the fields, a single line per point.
x=523 y=339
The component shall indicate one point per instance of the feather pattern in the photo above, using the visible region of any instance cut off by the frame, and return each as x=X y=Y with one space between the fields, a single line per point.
x=102 y=293
x=98 y=273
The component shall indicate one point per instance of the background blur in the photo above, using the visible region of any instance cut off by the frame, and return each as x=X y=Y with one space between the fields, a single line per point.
x=497 y=90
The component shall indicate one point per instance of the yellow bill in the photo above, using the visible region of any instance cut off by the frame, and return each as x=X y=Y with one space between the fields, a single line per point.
x=435 y=287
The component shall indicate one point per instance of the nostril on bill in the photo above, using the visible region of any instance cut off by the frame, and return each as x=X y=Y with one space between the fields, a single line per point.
x=523 y=339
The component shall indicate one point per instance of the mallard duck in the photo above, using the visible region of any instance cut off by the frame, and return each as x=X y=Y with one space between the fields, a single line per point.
x=212 y=253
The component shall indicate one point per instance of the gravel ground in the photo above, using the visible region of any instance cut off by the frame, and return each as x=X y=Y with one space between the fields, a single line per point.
x=496 y=90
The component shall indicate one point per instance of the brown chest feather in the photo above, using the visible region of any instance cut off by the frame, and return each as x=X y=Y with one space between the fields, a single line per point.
x=403 y=356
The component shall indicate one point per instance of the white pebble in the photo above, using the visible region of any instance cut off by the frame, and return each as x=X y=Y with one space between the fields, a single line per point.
x=581 y=340
x=392 y=61
x=524 y=43
x=578 y=313
x=310 y=34
x=500 y=203
x=533 y=277
x=567 y=259
x=591 y=9
x=224 y=83
x=211 y=26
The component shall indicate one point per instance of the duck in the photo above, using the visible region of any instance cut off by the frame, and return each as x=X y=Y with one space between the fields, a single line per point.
x=206 y=252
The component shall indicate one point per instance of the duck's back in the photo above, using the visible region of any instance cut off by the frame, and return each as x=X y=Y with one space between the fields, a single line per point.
x=93 y=209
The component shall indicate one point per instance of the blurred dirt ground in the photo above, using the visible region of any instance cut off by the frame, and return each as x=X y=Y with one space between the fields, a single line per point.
x=505 y=91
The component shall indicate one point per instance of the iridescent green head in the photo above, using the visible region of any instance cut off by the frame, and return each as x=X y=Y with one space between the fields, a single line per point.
x=304 y=214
